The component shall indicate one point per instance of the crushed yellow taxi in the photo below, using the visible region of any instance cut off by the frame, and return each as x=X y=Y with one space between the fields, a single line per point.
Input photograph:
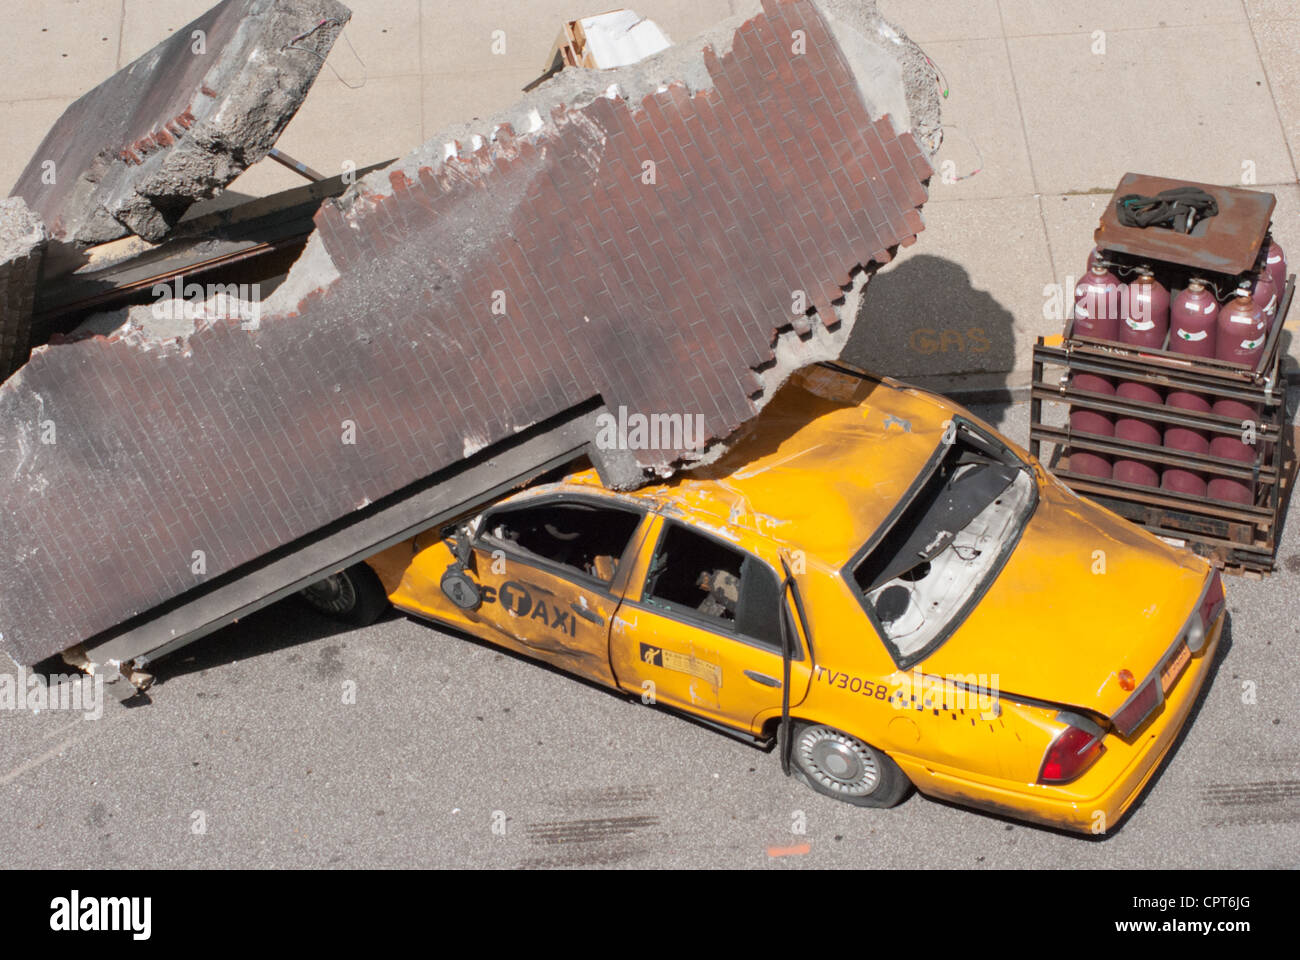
x=872 y=579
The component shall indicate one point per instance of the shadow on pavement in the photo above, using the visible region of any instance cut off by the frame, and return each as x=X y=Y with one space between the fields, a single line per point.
x=923 y=318
x=288 y=623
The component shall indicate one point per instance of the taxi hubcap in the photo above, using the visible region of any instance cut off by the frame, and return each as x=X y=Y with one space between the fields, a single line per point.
x=838 y=761
x=334 y=594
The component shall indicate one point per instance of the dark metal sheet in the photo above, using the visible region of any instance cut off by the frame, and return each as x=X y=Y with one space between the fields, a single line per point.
x=1228 y=243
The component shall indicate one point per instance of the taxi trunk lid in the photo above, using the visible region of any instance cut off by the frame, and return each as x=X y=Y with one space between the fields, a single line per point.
x=1092 y=596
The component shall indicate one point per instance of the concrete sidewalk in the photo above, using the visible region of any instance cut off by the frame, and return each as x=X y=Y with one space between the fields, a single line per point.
x=1059 y=98
x=1050 y=100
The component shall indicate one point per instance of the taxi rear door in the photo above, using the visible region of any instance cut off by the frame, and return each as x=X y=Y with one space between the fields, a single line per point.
x=699 y=629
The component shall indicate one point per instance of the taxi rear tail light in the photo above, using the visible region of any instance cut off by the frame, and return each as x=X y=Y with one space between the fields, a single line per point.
x=1072 y=752
x=1139 y=706
x=1207 y=611
x=1212 y=605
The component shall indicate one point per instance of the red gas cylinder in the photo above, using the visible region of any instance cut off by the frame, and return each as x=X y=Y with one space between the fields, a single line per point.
x=1264 y=293
x=1146 y=317
x=1139 y=430
x=1232 y=447
x=1184 y=439
x=1242 y=330
x=1097 y=304
x=1192 y=319
x=1275 y=264
x=1091 y=421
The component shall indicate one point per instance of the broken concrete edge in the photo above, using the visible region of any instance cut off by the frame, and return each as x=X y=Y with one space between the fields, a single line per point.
x=180 y=122
x=123 y=680
x=171 y=321
x=875 y=49
x=23 y=241
x=862 y=33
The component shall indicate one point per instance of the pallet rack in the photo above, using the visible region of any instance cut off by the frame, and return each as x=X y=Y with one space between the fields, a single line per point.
x=1241 y=537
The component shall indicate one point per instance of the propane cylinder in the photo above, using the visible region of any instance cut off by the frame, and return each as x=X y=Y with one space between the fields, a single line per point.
x=1242 y=330
x=1187 y=440
x=1233 y=447
x=1139 y=430
x=1275 y=264
x=1091 y=421
x=1192 y=317
x=1264 y=292
x=1146 y=315
x=1097 y=300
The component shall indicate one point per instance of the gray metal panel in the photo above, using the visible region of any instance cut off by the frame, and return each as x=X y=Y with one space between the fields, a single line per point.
x=463 y=488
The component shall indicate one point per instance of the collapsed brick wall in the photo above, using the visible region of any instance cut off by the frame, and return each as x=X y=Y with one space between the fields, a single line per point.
x=467 y=300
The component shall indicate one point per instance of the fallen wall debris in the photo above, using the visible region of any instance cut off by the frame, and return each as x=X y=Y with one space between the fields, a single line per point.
x=675 y=237
x=22 y=246
x=180 y=122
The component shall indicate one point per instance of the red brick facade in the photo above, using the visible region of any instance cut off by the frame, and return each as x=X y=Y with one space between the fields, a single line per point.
x=662 y=297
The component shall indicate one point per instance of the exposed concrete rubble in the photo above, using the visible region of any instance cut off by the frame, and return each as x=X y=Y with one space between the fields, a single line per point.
x=22 y=245
x=181 y=122
x=672 y=237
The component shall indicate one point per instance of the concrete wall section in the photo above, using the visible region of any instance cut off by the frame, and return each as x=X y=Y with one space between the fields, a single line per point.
x=673 y=246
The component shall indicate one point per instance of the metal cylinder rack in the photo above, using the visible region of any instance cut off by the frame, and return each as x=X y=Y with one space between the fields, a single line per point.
x=1239 y=536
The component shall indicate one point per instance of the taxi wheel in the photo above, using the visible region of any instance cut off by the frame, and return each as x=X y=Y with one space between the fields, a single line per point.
x=842 y=766
x=354 y=596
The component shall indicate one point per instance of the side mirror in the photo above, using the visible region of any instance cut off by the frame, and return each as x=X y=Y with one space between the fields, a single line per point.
x=456 y=583
x=460 y=589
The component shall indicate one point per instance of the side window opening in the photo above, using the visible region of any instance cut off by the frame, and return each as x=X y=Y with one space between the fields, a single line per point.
x=760 y=606
x=695 y=574
x=582 y=537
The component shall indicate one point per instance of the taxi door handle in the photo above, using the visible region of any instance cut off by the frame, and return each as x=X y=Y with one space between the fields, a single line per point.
x=762 y=678
x=586 y=614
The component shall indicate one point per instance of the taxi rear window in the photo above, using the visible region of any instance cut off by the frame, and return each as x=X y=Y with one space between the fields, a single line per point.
x=923 y=576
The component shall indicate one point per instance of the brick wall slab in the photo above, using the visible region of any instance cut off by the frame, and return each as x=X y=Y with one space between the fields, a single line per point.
x=458 y=302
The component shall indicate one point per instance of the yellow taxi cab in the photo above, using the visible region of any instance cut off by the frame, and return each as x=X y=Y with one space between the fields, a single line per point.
x=870 y=577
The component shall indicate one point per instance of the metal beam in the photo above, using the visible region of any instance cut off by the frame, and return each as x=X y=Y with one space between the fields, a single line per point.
x=459 y=490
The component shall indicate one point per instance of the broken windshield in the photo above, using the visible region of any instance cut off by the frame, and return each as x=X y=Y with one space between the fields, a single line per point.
x=922 y=574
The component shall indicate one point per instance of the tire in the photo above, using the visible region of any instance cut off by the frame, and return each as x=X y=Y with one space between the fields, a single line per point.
x=353 y=596
x=842 y=766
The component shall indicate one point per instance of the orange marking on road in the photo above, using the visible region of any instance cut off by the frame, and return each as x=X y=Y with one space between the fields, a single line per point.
x=798 y=850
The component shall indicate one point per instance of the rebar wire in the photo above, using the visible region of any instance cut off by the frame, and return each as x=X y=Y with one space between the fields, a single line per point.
x=293 y=45
x=979 y=154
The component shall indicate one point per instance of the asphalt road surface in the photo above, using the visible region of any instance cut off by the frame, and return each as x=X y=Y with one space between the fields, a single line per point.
x=456 y=754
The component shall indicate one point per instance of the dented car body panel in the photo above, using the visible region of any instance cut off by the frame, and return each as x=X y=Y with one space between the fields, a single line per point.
x=1053 y=610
